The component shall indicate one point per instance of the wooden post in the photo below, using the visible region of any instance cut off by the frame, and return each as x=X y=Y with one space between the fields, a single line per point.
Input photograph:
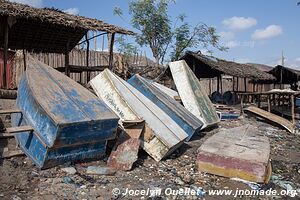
x=242 y=104
x=111 y=51
x=237 y=83
x=218 y=84
x=210 y=86
x=221 y=81
x=5 y=56
x=24 y=59
x=67 y=62
x=293 y=108
x=245 y=84
x=233 y=89
x=269 y=103
x=88 y=74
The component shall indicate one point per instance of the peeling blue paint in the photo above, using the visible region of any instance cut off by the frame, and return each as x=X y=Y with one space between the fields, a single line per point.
x=69 y=122
x=186 y=120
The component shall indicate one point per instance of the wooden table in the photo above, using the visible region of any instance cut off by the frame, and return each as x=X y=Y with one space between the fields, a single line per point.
x=273 y=97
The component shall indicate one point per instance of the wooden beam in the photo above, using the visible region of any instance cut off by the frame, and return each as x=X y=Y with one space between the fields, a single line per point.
x=8 y=94
x=245 y=84
x=88 y=74
x=111 y=51
x=67 y=61
x=5 y=56
x=2 y=112
x=19 y=129
x=293 y=108
x=79 y=69
x=9 y=154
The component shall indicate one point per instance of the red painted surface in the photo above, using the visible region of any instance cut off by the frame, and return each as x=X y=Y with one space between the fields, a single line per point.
x=125 y=155
x=10 y=82
x=259 y=169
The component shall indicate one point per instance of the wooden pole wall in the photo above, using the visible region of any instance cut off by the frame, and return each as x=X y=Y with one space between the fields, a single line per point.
x=5 y=55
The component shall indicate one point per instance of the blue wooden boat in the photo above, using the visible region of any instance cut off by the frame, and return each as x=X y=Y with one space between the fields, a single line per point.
x=69 y=122
x=189 y=123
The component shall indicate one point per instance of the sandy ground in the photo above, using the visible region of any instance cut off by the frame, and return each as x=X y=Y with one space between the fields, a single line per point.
x=20 y=179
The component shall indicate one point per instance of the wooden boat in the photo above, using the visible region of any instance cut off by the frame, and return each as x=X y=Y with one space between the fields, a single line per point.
x=161 y=135
x=68 y=122
x=192 y=95
x=189 y=123
x=172 y=93
x=239 y=152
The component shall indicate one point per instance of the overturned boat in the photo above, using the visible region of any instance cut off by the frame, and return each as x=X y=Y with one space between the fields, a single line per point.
x=68 y=122
x=161 y=134
x=239 y=152
x=189 y=123
x=192 y=95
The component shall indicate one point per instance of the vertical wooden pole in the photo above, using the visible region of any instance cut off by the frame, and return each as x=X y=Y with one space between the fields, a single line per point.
x=218 y=84
x=233 y=86
x=245 y=84
x=88 y=74
x=293 y=108
x=5 y=56
x=24 y=59
x=67 y=62
x=210 y=86
x=237 y=83
x=269 y=103
x=111 y=51
x=221 y=81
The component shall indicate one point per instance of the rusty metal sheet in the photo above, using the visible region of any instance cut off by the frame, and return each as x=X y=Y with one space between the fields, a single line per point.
x=192 y=95
x=161 y=132
x=10 y=82
x=237 y=152
x=125 y=155
x=272 y=117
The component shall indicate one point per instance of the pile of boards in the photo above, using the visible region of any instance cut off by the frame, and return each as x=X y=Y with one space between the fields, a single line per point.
x=60 y=121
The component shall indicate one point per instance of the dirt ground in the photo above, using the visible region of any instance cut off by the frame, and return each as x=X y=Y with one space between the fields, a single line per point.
x=20 y=179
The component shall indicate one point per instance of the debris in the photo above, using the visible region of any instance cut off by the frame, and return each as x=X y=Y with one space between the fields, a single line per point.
x=99 y=170
x=192 y=95
x=278 y=180
x=125 y=155
x=69 y=122
x=237 y=152
x=189 y=123
x=161 y=134
x=252 y=185
x=69 y=170
x=272 y=117
x=68 y=180
x=15 y=197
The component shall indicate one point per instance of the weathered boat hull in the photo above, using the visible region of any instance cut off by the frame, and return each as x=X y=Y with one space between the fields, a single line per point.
x=161 y=134
x=59 y=110
x=166 y=90
x=228 y=115
x=192 y=95
x=238 y=152
x=189 y=123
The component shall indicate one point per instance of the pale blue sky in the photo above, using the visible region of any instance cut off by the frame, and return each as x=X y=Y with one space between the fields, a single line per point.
x=256 y=30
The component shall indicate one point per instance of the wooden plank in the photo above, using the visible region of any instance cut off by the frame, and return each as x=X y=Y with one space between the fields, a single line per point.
x=6 y=135
x=19 y=129
x=9 y=154
x=8 y=94
x=9 y=111
x=272 y=117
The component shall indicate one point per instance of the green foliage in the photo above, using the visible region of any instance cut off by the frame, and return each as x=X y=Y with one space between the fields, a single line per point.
x=151 y=19
x=126 y=49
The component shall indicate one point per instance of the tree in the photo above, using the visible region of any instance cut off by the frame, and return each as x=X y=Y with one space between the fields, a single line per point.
x=156 y=30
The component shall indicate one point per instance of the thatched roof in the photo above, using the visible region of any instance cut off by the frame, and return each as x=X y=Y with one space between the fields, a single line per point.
x=261 y=67
x=212 y=67
x=57 y=17
x=47 y=29
x=285 y=75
